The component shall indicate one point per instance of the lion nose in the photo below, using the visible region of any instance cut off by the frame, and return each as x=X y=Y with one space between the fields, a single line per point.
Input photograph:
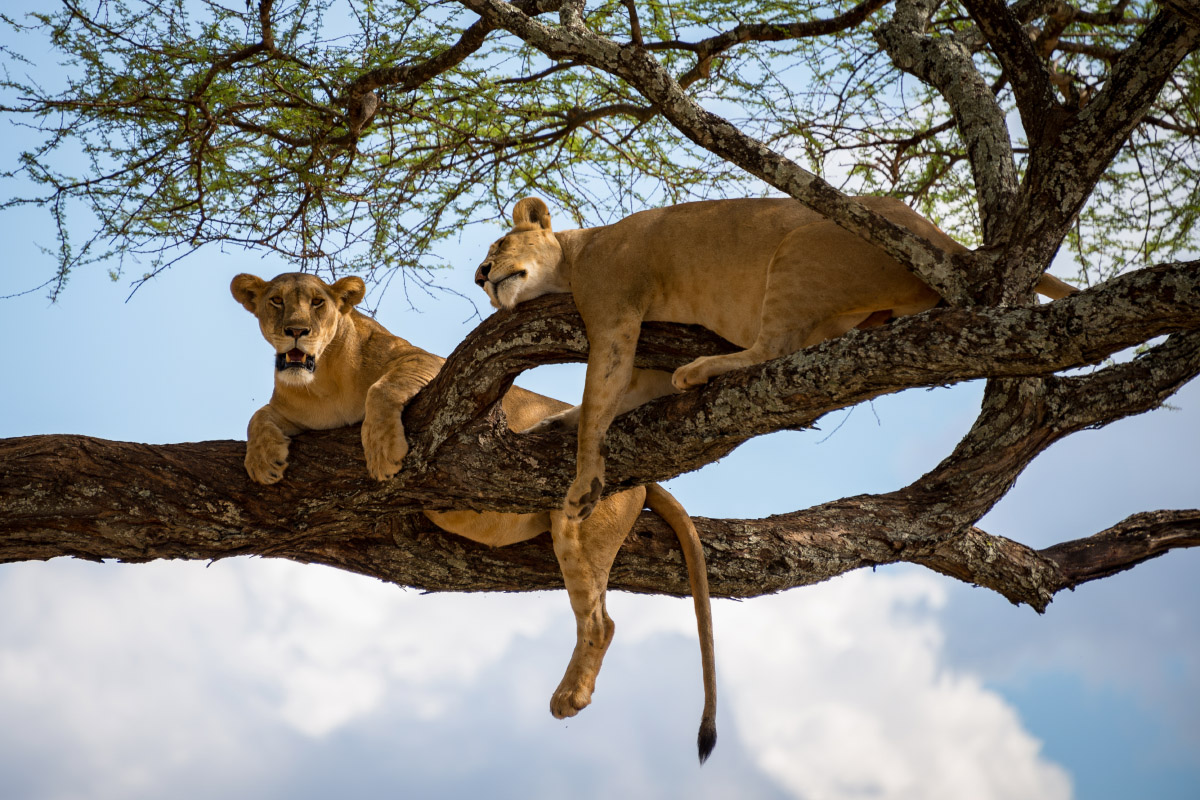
x=296 y=333
x=482 y=273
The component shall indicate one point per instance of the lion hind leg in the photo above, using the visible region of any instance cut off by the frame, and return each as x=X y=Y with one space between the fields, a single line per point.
x=822 y=282
x=769 y=345
x=585 y=552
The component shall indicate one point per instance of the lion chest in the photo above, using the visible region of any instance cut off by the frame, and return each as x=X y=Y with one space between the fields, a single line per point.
x=317 y=410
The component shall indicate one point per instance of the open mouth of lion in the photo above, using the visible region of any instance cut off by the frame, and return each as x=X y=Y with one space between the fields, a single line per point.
x=295 y=359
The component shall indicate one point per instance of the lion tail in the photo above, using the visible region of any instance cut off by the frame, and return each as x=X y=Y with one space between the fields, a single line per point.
x=666 y=506
x=1054 y=288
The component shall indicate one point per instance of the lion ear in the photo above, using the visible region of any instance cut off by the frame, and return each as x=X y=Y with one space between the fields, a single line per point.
x=246 y=289
x=531 y=213
x=349 y=292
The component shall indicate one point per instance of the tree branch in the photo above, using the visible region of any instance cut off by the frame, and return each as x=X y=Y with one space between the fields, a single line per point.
x=1187 y=10
x=1028 y=74
x=946 y=64
x=1059 y=180
x=707 y=49
x=58 y=494
x=1139 y=538
x=193 y=501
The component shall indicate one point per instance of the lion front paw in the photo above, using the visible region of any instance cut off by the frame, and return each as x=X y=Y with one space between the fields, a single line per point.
x=384 y=446
x=581 y=502
x=569 y=699
x=266 y=458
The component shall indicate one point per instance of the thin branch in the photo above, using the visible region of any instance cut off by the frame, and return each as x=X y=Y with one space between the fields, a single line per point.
x=1027 y=73
x=774 y=31
x=1139 y=538
x=635 y=26
x=946 y=64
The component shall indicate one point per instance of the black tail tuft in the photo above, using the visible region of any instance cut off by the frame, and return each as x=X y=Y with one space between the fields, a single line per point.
x=707 y=739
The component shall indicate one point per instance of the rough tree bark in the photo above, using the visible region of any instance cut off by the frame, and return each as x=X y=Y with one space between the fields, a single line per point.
x=58 y=496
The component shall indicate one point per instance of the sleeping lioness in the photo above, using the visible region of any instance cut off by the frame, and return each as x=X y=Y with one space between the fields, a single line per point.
x=771 y=276
x=335 y=366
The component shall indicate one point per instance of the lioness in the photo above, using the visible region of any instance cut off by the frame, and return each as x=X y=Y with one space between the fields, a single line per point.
x=335 y=366
x=769 y=275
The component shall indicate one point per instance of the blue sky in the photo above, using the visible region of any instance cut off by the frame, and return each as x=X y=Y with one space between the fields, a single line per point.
x=255 y=677
x=193 y=680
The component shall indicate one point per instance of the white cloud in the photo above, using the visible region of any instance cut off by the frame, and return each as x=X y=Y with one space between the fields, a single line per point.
x=840 y=692
x=334 y=642
x=165 y=676
x=151 y=673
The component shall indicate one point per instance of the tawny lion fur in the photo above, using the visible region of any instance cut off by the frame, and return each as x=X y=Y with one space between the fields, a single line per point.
x=336 y=366
x=770 y=275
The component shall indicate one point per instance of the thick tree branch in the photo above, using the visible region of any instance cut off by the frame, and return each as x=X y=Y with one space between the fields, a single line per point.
x=68 y=495
x=1188 y=11
x=194 y=502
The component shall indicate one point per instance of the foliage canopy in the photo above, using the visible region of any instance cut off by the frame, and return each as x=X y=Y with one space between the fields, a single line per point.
x=355 y=135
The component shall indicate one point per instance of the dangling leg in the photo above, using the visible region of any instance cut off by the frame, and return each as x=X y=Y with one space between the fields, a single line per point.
x=585 y=553
x=611 y=349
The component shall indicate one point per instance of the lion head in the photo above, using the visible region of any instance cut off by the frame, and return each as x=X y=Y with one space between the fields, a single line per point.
x=299 y=315
x=523 y=263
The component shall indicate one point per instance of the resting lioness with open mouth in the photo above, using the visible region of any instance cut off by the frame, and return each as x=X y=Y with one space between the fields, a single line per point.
x=770 y=275
x=335 y=366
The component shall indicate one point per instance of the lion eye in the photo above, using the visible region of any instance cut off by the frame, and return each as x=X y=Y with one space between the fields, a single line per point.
x=317 y=302
x=277 y=302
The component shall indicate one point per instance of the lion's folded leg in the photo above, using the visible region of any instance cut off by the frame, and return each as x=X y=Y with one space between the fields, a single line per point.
x=700 y=371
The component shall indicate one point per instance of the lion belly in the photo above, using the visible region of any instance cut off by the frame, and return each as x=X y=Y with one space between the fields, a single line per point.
x=492 y=528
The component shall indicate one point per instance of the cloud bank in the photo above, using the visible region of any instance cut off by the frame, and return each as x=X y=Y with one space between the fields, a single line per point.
x=177 y=680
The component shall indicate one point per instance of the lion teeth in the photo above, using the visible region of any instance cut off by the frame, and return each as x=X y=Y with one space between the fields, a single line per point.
x=286 y=361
